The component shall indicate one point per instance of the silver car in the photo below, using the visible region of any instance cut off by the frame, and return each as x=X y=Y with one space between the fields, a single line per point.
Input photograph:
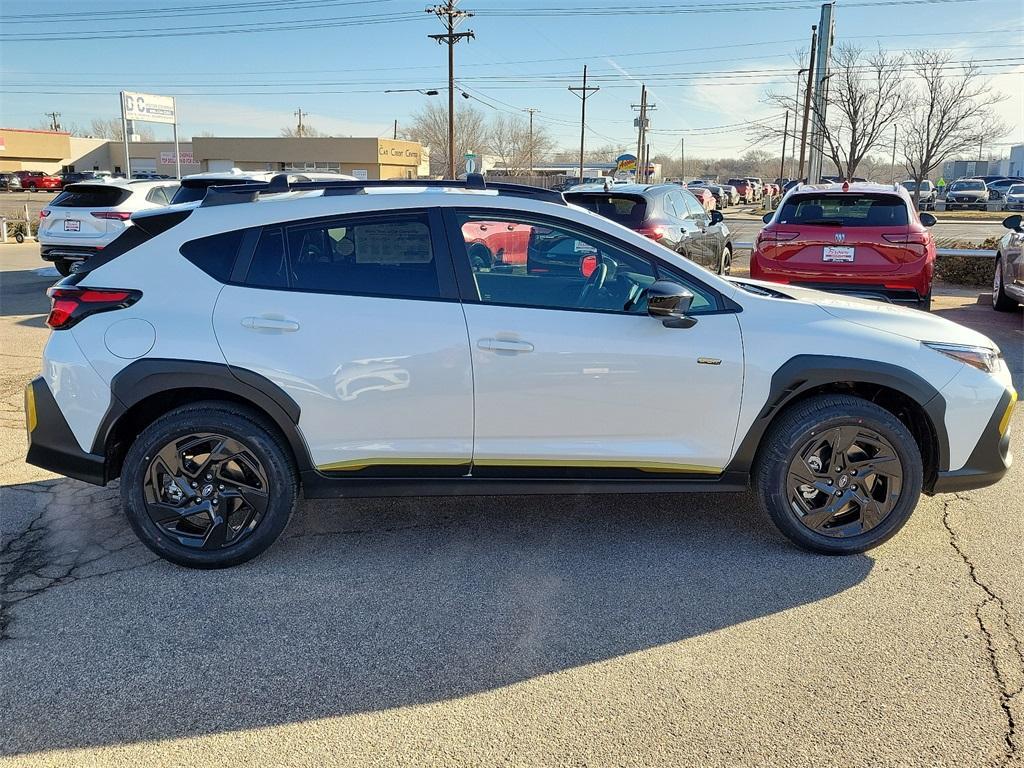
x=1014 y=200
x=967 y=194
x=1008 y=280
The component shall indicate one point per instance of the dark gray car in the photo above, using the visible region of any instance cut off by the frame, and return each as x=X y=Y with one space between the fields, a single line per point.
x=1008 y=280
x=667 y=214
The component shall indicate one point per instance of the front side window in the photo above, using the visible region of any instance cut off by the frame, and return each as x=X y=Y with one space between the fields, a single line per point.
x=845 y=209
x=372 y=255
x=540 y=264
x=693 y=207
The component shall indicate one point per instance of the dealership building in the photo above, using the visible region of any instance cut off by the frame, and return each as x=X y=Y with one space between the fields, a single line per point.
x=370 y=158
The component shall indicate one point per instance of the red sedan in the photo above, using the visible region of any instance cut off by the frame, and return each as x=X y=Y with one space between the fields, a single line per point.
x=863 y=239
x=33 y=180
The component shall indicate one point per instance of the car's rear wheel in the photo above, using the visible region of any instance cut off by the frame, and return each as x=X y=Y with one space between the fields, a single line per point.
x=208 y=485
x=1000 y=301
x=838 y=474
x=725 y=265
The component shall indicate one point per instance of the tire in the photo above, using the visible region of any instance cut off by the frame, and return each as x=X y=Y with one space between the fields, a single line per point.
x=925 y=304
x=1000 y=301
x=840 y=534
x=19 y=237
x=725 y=264
x=204 y=539
x=64 y=266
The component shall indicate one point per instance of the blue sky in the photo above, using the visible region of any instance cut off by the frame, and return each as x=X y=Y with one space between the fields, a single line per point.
x=335 y=59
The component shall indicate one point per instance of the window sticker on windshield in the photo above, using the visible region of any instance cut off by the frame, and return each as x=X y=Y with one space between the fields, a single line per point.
x=582 y=247
x=392 y=243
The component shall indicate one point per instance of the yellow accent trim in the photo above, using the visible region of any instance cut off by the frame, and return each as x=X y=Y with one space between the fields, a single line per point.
x=30 y=409
x=644 y=466
x=357 y=464
x=1004 y=423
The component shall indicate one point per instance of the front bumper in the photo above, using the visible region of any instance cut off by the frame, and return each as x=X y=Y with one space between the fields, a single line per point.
x=51 y=444
x=991 y=457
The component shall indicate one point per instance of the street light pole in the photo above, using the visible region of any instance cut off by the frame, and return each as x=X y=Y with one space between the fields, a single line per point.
x=531 y=110
x=807 y=102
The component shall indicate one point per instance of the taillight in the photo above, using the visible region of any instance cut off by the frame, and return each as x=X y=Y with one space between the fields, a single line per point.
x=655 y=233
x=72 y=304
x=44 y=213
x=115 y=215
x=915 y=238
x=776 y=236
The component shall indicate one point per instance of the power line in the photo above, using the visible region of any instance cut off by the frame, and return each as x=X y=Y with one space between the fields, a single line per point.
x=178 y=12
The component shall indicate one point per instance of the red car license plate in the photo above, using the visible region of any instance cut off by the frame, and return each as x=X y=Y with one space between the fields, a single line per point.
x=838 y=253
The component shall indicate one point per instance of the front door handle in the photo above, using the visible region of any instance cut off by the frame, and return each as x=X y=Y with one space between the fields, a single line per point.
x=505 y=345
x=279 y=324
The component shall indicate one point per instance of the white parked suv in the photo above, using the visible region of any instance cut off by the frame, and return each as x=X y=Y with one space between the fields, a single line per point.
x=341 y=339
x=86 y=217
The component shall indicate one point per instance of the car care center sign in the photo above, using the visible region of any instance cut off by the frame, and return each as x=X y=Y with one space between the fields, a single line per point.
x=147 y=107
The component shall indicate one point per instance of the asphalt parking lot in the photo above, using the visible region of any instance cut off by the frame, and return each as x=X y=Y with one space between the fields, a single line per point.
x=575 y=631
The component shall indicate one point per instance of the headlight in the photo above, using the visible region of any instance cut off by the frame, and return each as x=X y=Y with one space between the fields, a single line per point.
x=982 y=358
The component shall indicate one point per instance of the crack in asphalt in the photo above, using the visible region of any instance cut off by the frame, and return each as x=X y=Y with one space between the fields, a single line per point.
x=1007 y=694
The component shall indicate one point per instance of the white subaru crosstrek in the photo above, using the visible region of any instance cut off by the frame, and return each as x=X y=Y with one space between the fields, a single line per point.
x=382 y=338
x=87 y=216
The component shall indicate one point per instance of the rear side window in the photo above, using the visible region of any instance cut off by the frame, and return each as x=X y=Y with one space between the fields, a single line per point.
x=372 y=255
x=215 y=255
x=193 y=190
x=91 y=197
x=848 y=210
x=629 y=210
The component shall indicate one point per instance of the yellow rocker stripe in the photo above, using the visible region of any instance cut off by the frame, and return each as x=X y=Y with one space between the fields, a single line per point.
x=645 y=466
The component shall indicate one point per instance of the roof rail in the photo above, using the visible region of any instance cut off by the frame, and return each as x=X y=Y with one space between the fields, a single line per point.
x=245 y=193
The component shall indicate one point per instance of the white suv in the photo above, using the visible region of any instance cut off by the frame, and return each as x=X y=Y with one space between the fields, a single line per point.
x=377 y=338
x=86 y=217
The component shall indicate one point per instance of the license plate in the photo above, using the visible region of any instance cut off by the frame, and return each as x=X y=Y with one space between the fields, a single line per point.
x=838 y=253
x=72 y=225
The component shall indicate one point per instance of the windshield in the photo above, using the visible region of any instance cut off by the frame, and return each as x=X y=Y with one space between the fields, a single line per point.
x=971 y=186
x=624 y=209
x=1016 y=189
x=911 y=185
x=845 y=210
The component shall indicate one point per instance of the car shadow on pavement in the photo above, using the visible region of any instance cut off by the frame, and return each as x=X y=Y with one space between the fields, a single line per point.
x=24 y=292
x=365 y=606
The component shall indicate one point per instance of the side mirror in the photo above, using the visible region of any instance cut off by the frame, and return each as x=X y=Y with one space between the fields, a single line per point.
x=767 y=218
x=1010 y=222
x=669 y=302
x=717 y=217
x=928 y=220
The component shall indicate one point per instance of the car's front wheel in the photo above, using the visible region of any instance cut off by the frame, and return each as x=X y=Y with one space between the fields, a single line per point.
x=208 y=485
x=1000 y=301
x=725 y=265
x=838 y=474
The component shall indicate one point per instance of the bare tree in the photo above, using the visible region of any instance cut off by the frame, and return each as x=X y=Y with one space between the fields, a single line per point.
x=509 y=140
x=308 y=132
x=603 y=154
x=111 y=129
x=430 y=128
x=949 y=113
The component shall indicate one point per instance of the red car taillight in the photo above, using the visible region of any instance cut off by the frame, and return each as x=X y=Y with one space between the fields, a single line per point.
x=115 y=215
x=44 y=213
x=655 y=233
x=915 y=242
x=776 y=236
x=71 y=304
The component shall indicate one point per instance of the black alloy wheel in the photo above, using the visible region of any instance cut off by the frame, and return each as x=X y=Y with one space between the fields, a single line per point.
x=845 y=481
x=206 y=490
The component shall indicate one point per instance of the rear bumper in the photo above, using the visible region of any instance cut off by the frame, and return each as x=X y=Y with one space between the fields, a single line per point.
x=51 y=444
x=867 y=291
x=67 y=252
x=991 y=457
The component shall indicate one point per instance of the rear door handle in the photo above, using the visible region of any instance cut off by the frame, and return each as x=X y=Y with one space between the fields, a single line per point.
x=280 y=325
x=505 y=345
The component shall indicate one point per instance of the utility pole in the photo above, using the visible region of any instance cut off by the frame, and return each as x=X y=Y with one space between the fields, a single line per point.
x=892 y=167
x=54 y=120
x=682 y=159
x=647 y=161
x=785 y=135
x=796 y=115
x=807 y=103
x=531 y=110
x=451 y=17
x=583 y=93
x=641 y=140
x=395 y=134
x=821 y=76
x=299 y=129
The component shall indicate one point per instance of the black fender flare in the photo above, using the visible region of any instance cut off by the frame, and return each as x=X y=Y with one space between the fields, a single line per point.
x=145 y=378
x=805 y=372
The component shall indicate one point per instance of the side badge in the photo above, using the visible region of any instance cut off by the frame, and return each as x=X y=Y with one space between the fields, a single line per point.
x=709 y=361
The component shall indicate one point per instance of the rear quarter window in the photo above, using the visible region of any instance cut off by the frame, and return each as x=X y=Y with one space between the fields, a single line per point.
x=91 y=197
x=215 y=255
x=845 y=209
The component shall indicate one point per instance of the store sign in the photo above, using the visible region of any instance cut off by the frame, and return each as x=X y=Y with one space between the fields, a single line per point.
x=147 y=107
x=167 y=158
x=625 y=164
x=360 y=173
